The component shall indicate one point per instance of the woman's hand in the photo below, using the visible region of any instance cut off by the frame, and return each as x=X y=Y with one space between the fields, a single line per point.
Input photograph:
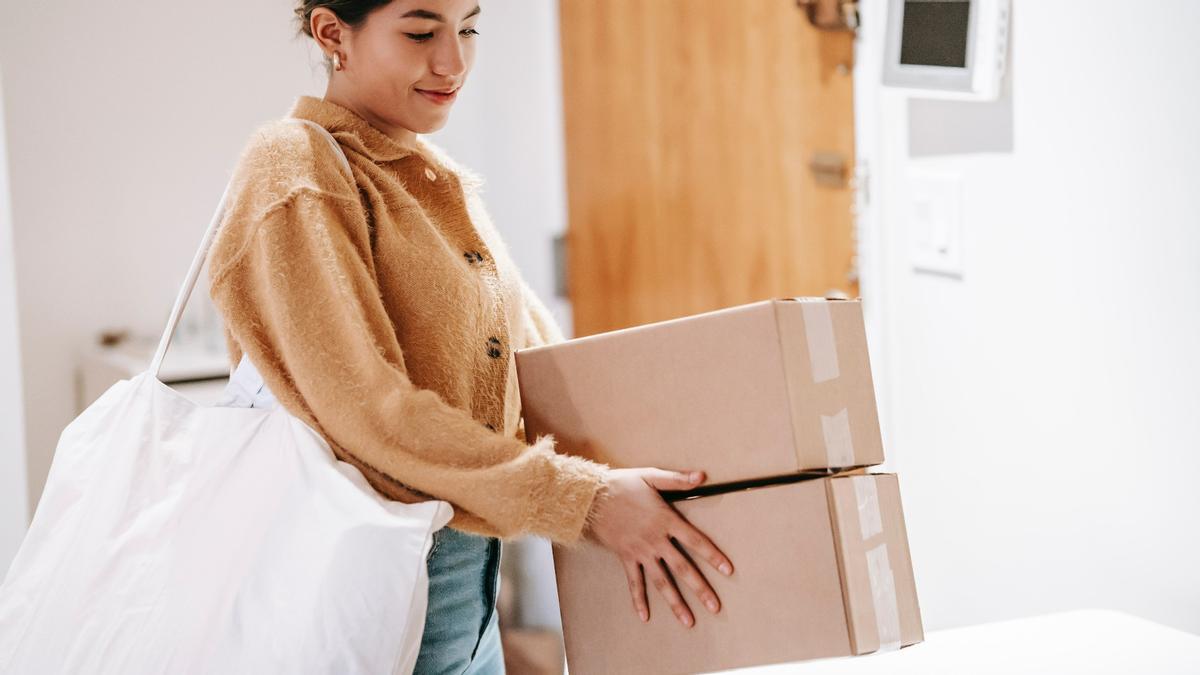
x=632 y=520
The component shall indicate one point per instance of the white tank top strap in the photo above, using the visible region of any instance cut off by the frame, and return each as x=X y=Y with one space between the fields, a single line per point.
x=246 y=388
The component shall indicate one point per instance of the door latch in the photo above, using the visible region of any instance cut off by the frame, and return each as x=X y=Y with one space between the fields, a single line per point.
x=829 y=168
x=834 y=15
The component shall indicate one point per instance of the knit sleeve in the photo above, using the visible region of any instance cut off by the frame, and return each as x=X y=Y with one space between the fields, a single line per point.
x=297 y=290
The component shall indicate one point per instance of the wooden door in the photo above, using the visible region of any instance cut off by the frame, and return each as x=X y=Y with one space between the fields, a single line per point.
x=692 y=131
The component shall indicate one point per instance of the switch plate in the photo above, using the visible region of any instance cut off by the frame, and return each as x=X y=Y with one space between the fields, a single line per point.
x=935 y=222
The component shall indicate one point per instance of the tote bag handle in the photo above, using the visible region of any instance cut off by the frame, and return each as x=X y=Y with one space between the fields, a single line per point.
x=202 y=254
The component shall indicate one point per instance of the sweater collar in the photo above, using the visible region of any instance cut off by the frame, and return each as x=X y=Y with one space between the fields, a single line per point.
x=351 y=130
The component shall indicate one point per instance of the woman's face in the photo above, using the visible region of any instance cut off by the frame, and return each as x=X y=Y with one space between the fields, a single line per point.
x=399 y=64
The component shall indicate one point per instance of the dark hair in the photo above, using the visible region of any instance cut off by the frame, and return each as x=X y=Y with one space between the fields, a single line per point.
x=352 y=12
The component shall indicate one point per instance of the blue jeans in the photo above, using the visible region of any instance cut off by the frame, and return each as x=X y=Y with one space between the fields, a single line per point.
x=462 y=633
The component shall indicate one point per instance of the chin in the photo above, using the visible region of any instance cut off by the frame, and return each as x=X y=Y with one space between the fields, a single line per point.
x=432 y=125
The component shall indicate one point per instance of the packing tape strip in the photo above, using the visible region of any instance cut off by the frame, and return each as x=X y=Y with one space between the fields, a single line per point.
x=822 y=350
x=879 y=568
x=869 y=517
x=839 y=446
x=883 y=594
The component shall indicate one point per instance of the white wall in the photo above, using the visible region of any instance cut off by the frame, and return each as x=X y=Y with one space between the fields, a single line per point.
x=1042 y=411
x=14 y=510
x=125 y=120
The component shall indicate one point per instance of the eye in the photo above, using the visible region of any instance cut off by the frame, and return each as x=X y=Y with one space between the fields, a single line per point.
x=468 y=32
x=419 y=37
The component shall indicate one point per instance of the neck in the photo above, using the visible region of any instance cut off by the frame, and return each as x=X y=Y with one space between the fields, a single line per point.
x=401 y=135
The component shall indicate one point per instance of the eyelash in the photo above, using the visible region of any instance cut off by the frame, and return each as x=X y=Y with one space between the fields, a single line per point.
x=422 y=37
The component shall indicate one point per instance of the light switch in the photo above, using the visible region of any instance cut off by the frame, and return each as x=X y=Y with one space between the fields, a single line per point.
x=935 y=222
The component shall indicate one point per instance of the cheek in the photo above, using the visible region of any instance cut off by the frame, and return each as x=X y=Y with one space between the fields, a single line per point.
x=396 y=63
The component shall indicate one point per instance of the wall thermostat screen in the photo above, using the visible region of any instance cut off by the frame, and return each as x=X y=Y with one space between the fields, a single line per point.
x=934 y=33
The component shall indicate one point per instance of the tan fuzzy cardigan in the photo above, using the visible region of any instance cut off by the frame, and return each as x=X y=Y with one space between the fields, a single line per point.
x=384 y=313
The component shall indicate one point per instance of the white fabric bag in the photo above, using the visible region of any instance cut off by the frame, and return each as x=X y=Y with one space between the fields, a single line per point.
x=179 y=538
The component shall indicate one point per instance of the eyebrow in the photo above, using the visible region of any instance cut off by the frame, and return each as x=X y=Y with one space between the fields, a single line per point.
x=434 y=16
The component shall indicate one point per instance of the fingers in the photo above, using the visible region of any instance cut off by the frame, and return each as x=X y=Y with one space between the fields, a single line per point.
x=661 y=479
x=637 y=588
x=657 y=574
x=700 y=546
x=683 y=569
x=656 y=544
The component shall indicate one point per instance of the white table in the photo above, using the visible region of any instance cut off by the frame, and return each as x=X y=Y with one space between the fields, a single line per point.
x=1096 y=642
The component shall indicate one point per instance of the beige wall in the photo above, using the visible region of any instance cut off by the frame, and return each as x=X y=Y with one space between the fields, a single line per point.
x=124 y=120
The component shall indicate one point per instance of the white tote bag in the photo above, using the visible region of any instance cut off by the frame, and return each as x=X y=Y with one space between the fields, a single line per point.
x=178 y=538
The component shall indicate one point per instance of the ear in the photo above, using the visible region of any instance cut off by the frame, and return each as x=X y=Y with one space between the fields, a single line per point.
x=328 y=30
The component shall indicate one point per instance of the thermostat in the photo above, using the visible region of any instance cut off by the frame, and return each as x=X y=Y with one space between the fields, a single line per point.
x=947 y=48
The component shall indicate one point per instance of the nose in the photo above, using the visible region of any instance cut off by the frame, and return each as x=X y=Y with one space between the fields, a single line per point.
x=448 y=59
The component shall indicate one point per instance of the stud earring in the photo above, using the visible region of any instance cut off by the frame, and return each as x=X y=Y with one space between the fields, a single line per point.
x=337 y=61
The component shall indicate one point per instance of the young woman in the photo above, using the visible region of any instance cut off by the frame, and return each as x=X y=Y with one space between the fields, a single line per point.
x=384 y=311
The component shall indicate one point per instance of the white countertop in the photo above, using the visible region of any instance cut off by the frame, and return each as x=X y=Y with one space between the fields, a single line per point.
x=1096 y=642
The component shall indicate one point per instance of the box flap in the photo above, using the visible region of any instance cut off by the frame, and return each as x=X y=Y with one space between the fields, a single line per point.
x=835 y=423
x=878 y=584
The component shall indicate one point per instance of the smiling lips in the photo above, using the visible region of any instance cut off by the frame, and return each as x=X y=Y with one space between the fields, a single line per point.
x=439 y=97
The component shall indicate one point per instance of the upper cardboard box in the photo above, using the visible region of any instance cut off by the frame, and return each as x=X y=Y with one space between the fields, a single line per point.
x=769 y=388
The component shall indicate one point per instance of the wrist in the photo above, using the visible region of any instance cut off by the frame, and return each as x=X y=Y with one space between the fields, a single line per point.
x=599 y=499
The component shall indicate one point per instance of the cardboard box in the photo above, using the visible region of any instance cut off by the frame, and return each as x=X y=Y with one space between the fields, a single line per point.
x=769 y=388
x=821 y=569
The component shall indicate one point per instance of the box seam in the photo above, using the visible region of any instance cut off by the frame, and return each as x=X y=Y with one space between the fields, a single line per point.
x=908 y=549
x=787 y=384
x=838 y=535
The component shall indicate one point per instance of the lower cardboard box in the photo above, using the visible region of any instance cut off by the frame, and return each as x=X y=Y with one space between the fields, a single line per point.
x=822 y=569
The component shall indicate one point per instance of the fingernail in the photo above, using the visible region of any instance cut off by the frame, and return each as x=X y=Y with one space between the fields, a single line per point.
x=644 y=615
x=687 y=620
x=712 y=605
x=726 y=569
x=695 y=477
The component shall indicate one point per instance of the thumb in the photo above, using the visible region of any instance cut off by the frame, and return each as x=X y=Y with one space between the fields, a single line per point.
x=661 y=479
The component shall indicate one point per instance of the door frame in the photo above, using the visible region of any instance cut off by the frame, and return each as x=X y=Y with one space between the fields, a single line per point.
x=873 y=240
x=15 y=510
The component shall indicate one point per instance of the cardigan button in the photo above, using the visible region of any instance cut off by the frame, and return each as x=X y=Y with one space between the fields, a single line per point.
x=494 y=348
x=430 y=174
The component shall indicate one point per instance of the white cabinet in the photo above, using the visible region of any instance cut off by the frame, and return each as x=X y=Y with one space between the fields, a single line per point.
x=198 y=373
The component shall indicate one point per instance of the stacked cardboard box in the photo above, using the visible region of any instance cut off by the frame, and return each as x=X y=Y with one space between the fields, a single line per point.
x=774 y=401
